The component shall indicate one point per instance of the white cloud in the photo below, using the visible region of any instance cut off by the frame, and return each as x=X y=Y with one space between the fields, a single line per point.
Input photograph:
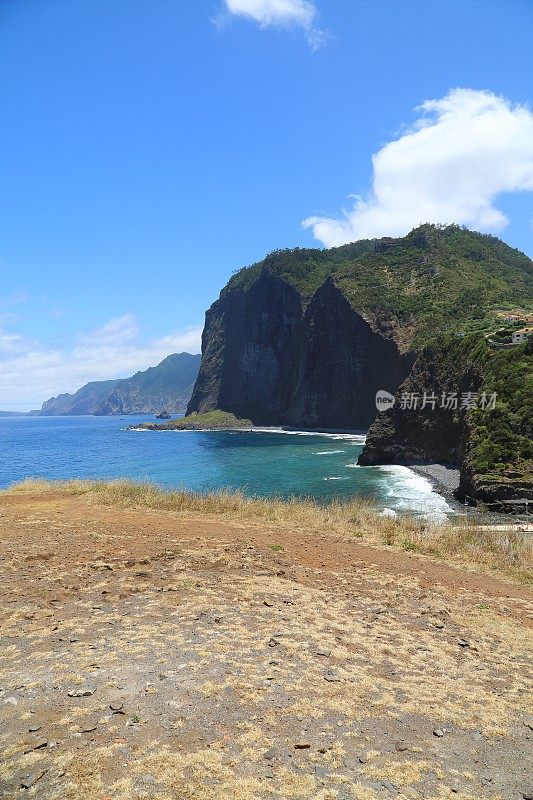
x=31 y=372
x=462 y=152
x=285 y=13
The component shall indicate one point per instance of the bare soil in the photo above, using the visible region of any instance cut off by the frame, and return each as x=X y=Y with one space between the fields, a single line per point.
x=149 y=654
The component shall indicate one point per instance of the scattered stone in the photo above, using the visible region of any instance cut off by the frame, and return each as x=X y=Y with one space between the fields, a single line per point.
x=438 y=625
x=269 y=773
x=302 y=746
x=86 y=692
x=149 y=779
x=331 y=677
x=401 y=747
x=463 y=643
x=351 y=763
x=116 y=707
x=527 y=792
x=325 y=653
x=30 y=780
x=439 y=732
x=34 y=728
x=273 y=642
x=88 y=727
x=270 y=754
x=38 y=745
x=389 y=786
x=268 y=603
x=363 y=759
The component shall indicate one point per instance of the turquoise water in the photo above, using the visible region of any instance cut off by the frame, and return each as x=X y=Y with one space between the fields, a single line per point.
x=259 y=463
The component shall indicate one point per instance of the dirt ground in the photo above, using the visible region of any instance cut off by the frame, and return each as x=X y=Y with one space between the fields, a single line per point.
x=145 y=654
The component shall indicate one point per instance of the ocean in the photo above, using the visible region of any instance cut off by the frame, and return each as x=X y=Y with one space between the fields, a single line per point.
x=259 y=463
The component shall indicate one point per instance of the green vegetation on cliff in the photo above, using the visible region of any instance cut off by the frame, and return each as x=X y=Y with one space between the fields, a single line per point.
x=436 y=278
x=501 y=441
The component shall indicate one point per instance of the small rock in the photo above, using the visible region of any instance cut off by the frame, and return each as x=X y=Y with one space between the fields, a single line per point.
x=463 y=643
x=116 y=707
x=34 y=728
x=401 y=747
x=268 y=603
x=30 y=780
x=270 y=754
x=363 y=759
x=325 y=653
x=86 y=692
x=389 y=786
x=331 y=677
x=302 y=746
x=527 y=792
x=439 y=732
x=351 y=763
x=269 y=773
x=10 y=701
x=38 y=745
x=273 y=642
x=88 y=727
x=149 y=779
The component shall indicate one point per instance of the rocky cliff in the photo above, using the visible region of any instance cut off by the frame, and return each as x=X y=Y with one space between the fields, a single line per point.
x=479 y=417
x=306 y=338
x=271 y=357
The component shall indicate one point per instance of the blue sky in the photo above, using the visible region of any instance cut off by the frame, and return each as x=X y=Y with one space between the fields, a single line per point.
x=149 y=148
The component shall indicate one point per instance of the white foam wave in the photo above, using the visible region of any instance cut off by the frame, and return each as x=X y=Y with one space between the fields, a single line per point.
x=328 y=452
x=411 y=492
x=353 y=438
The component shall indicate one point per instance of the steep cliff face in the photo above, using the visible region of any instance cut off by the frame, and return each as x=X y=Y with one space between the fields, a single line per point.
x=269 y=357
x=246 y=350
x=416 y=433
x=490 y=442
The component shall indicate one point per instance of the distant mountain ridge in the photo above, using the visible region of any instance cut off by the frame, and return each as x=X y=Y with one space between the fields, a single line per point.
x=167 y=386
x=85 y=401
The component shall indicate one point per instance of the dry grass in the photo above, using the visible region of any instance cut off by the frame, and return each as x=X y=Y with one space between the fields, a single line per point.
x=506 y=551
